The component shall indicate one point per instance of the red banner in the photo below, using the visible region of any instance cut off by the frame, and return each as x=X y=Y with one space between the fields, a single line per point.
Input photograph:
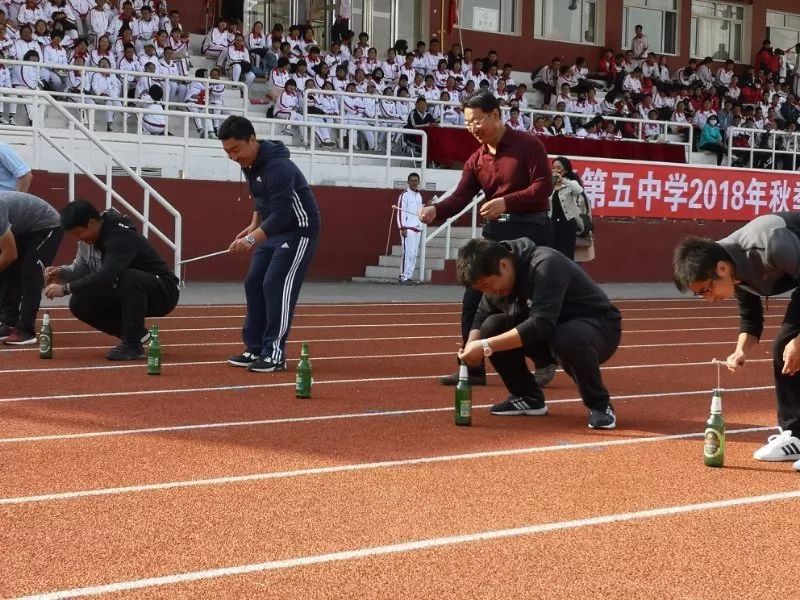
x=618 y=189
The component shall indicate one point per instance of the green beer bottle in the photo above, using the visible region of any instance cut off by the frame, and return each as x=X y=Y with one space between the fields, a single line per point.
x=46 y=338
x=154 y=353
x=463 y=397
x=714 y=441
x=303 y=381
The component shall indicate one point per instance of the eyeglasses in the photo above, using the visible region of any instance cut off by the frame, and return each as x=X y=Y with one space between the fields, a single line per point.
x=707 y=290
x=475 y=124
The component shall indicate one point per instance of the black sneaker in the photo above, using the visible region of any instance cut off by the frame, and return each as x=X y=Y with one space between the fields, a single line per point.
x=544 y=375
x=245 y=359
x=474 y=379
x=520 y=405
x=266 y=365
x=126 y=351
x=603 y=419
x=5 y=331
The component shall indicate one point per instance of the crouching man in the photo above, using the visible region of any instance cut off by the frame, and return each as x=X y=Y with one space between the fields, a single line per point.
x=131 y=283
x=539 y=304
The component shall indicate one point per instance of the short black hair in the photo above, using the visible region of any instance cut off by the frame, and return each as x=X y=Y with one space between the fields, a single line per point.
x=695 y=260
x=156 y=93
x=237 y=128
x=78 y=214
x=484 y=101
x=479 y=258
x=415 y=174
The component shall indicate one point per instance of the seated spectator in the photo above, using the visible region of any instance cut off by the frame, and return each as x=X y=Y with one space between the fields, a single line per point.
x=155 y=122
x=724 y=75
x=664 y=102
x=216 y=42
x=651 y=131
x=633 y=84
x=540 y=126
x=546 y=78
x=419 y=118
x=733 y=91
x=645 y=108
x=607 y=69
x=133 y=282
x=590 y=130
x=686 y=77
x=704 y=75
x=109 y=88
x=742 y=140
x=559 y=126
x=449 y=114
x=725 y=116
x=505 y=75
x=514 y=122
x=501 y=93
x=565 y=97
x=610 y=131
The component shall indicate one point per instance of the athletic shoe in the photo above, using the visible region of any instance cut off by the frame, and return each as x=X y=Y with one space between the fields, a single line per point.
x=603 y=419
x=520 y=405
x=796 y=466
x=781 y=446
x=479 y=379
x=126 y=351
x=544 y=375
x=19 y=337
x=5 y=331
x=266 y=365
x=245 y=359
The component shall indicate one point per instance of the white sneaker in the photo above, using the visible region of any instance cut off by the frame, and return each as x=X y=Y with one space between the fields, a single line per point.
x=779 y=447
x=796 y=466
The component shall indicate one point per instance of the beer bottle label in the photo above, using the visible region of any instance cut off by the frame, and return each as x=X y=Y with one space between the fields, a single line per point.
x=153 y=362
x=713 y=443
x=44 y=343
x=465 y=409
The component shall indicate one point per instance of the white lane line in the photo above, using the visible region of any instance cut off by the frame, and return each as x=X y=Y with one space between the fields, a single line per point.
x=415 y=546
x=196 y=363
x=347 y=468
x=333 y=417
x=417 y=325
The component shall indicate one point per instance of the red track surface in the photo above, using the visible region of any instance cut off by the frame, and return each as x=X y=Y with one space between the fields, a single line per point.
x=211 y=482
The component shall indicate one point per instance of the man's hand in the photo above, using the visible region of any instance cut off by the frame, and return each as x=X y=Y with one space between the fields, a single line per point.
x=736 y=361
x=54 y=290
x=52 y=275
x=492 y=209
x=427 y=214
x=246 y=231
x=472 y=353
x=791 y=358
x=240 y=245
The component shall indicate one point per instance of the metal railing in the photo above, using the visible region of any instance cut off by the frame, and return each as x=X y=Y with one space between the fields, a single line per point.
x=80 y=97
x=665 y=127
x=184 y=146
x=446 y=229
x=763 y=145
x=69 y=153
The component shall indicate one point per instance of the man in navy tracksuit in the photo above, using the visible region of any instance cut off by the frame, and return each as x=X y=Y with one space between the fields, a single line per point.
x=283 y=232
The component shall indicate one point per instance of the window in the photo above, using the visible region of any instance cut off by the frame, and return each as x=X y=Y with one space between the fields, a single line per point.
x=783 y=30
x=718 y=30
x=659 y=21
x=496 y=16
x=577 y=21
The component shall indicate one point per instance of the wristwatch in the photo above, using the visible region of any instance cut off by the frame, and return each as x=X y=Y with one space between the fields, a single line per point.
x=487 y=349
x=250 y=239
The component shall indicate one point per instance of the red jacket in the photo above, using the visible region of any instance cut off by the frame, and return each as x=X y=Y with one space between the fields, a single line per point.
x=765 y=59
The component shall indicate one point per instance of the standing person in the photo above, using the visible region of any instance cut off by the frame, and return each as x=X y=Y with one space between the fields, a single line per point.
x=639 y=45
x=132 y=283
x=408 y=206
x=537 y=303
x=512 y=169
x=760 y=259
x=15 y=175
x=29 y=237
x=283 y=232
x=569 y=209
x=344 y=12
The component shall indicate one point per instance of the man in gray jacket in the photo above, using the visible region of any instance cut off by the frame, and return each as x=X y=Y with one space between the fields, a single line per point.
x=760 y=259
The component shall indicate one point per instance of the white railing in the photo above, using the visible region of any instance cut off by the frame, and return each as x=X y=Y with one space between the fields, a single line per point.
x=69 y=154
x=779 y=143
x=665 y=127
x=446 y=229
x=81 y=96
x=183 y=145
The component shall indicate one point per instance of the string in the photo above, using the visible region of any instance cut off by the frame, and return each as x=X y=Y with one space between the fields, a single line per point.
x=389 y=232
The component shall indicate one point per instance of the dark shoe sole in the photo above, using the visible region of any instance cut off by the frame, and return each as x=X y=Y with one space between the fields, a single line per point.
x=117 y=358
x=531 y=412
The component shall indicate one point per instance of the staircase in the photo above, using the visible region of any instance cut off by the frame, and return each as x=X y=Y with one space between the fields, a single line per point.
x=439 y=268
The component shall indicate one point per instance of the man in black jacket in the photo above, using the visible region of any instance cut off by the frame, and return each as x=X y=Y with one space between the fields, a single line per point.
x=133 y=281
x=538 y=304
x=760 y=259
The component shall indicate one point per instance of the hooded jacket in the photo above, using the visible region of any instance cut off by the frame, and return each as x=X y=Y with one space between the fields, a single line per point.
x=549 y=289
x=766 y=257
x=121 y=248
x=282 y=195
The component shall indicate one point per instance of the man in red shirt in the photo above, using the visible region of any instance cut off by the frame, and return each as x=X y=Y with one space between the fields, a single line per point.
x=512 y=169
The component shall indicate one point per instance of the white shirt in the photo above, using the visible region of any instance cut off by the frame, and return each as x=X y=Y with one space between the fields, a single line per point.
x=55 y=56
x=131 y=66
x=29 y=16
x=110 y=86
x=5 y=77
x=287 y=103
x=145 y=30
x=639 y=46
x=21 y=48
x=279 y=78
x=254 y=42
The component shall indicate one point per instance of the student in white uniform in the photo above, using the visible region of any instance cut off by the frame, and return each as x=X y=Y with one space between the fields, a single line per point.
x=238 y=61
x=145 y=29
x=387 y=110
x=216 y=42
x=288 y=105
x=24 y=77
x=109 y=87
x=29 y=13
x=5 y=87
x=353 y=111
x=54 y=54
x=318 y=107
x=408 y=206
x=131 y=64
x=167 y=66
x=154 y=122
x=145 y=82
x=103 y=50
x=98 y=22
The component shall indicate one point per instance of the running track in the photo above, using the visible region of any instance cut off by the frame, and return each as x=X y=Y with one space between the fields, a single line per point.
x=211 y=482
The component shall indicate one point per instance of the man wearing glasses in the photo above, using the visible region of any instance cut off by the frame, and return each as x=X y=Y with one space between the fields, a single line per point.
x=512 y=169
x=760 y=259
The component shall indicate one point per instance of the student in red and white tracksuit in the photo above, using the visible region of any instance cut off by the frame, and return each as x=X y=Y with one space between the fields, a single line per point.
x=409 y=204
x=154 y=122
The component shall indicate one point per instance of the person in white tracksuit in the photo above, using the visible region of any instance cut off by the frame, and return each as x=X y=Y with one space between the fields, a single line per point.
x=408 y=206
